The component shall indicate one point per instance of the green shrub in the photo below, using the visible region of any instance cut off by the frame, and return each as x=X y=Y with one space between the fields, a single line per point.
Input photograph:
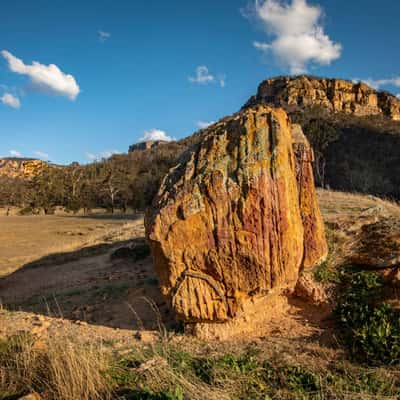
x=149 y=395
x=371 y=329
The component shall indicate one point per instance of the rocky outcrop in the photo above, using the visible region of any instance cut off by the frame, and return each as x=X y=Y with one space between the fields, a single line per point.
x=336 y=95
x=142 y=146
x=377 y=245
x=22 y=168
x=229 y=222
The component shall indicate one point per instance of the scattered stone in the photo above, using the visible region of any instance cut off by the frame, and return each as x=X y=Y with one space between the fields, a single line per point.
x=123 y=253
x=310 y=290
x=377 y=246
x=230 y=223
x=138 y=250
x=153 y=363
x=82 y=323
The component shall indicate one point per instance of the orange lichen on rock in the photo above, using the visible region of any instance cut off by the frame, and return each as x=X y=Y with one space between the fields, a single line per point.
x=316 y=248
x=227 y=223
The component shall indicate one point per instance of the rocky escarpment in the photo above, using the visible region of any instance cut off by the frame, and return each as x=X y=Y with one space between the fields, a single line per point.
x=336 y=95
x=21 y=168
x=237 y=218
x=148 y=145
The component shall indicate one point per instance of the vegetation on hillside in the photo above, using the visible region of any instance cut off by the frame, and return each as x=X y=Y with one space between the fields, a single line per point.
x=353 y=154
x=122 y=181
x=370 y=327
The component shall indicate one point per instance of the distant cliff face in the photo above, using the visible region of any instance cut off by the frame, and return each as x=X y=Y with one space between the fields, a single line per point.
x=20 y=167
x=336 y=95
x=150 y=144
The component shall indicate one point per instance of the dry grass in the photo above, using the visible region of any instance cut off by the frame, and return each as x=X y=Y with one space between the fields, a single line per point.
x=59 y=368
x=62 y=368
x=24 y=239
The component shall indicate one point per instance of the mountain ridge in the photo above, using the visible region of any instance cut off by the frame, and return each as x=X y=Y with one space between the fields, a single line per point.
x=337 y=95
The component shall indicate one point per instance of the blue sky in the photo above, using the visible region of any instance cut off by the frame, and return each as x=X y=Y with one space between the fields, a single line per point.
x=125 y=70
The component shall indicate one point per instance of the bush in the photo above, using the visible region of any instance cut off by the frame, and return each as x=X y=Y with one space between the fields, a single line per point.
x=371 y=329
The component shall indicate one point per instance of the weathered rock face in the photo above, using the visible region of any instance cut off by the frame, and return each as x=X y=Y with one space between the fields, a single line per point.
x=149 y=144
x=21 y=168
x=335 y=94
x=316 y=248
x=227 y=222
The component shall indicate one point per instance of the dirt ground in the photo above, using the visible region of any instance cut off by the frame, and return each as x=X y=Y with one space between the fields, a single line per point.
x=24 y=239
x=57 y=274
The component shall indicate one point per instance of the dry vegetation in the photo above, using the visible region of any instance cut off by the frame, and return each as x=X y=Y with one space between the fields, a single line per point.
x=24 y=239
x=79 y=324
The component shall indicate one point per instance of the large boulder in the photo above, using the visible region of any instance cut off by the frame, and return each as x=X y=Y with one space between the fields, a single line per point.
x=227 y=222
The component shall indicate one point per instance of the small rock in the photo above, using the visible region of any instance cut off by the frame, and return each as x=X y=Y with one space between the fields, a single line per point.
x=310 y=290
x=156 y=362
x=31 y=396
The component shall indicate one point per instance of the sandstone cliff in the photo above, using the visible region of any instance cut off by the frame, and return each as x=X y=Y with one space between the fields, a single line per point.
x=148 y=145
x=230 y=223
x=21 y=168
x=336 y=95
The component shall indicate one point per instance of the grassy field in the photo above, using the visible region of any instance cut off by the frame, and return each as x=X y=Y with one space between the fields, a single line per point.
x=24 y=239
x=78 y=322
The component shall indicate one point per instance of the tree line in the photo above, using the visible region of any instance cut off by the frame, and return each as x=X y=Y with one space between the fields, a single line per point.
x=124 y=181
x=356 y=154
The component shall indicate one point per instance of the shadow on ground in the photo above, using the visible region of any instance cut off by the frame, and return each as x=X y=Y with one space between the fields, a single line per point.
x=109 y=216
x=115 y=285
x=95 y=284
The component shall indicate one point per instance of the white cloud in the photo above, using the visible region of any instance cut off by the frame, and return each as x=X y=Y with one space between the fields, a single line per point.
x=48 y=78
x=108 y=153
x=203 y=76
x=103 y=154
x=398 y=96
x=155 y=134
x=10 y=100
x=42 y=155
x=103 y=36
x=15 y=153
x=262 y=46
x=204 y=124
x=91 y=156
x=378 y=83
x=299 y=37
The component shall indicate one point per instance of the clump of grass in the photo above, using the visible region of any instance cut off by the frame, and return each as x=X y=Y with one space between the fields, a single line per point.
x=60 y=368
x=371 y=328
x=328 y=271
x=324 y=273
